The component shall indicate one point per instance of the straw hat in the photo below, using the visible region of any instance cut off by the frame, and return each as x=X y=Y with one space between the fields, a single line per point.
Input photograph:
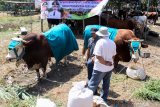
x=103 y=31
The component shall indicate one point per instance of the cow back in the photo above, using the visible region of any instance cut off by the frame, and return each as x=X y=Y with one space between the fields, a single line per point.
x=121 y=24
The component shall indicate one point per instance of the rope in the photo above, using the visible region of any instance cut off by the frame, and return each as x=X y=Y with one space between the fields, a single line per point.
x=125 y=66
x=53 y=81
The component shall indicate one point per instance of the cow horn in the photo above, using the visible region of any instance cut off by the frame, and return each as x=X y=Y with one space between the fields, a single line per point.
x=24 y=41
x=19 y=39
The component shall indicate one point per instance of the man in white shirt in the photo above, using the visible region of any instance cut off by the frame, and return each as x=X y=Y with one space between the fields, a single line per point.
x=104 y=52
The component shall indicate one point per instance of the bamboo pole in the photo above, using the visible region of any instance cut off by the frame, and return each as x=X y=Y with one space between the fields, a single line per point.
x=148 y=3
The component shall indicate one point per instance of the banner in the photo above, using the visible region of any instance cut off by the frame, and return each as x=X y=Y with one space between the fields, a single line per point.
x=37 y=4
x=71 y=9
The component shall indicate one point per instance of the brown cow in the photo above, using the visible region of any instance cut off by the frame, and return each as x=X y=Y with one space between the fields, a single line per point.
x=153 y=16
x=121 y=24
x=110 y=22
x=124 y=51
x=36 y=49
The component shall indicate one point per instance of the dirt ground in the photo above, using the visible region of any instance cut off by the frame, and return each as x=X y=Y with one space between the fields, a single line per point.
x=61 y=77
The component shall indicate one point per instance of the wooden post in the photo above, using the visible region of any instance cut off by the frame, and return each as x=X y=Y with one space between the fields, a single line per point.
x=99 y=19
x=41 y=25
x=148 y=3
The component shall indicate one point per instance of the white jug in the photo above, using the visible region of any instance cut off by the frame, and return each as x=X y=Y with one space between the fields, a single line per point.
x=79 y=96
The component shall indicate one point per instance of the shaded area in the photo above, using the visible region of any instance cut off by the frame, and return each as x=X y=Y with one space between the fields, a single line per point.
x=113 y=94
x=158 y=24
x=59 y=75
x=121 y=69
x=153 y=41
x=120 y=103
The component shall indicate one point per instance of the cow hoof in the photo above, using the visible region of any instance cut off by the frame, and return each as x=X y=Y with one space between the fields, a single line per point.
x=40 y=80
x=66 y=63
x=45 y=76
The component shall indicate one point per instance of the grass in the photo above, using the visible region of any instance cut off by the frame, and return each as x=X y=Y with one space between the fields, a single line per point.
x=16 y=96
x=7 y=34
x=150 y=91
x=17 y=20
x=31 y=23
x=118 y=78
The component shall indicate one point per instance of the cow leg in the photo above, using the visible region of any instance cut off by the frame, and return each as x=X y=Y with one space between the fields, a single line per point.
x=38 y=74
x=50 y=62
x=44 y=73
x=83 y=51
x=44 y=64
x=65 y=60
x=116 y=60
x=154 y=21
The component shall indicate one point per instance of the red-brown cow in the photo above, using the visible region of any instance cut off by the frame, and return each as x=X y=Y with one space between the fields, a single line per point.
x=110 y=22
x=124 y=50
x=153 y=16
x=121 y=24
x=36 y=49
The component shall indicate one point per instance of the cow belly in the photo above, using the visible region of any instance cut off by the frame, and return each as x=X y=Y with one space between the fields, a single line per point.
x=123 y=54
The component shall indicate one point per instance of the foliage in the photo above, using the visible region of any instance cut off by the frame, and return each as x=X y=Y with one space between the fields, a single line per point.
x=151 y=90
x=16 y=96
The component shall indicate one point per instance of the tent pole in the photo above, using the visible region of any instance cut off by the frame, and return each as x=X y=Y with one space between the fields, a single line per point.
x=99 y=19
x=83 y=24
x=148 y=3
x=41 y=25
x=83 y=19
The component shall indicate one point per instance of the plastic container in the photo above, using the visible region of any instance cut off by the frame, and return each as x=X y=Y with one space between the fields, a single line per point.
x=136 y=72
x=79 y=96
x=43 y=102
x=144 y=54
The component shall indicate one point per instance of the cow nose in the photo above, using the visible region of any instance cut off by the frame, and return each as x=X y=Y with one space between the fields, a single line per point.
x=7 y=58
x=135 y=58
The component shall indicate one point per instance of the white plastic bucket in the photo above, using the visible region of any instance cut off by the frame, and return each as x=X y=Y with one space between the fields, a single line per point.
x=136 y=72
x=43 y=102
x=79 y=96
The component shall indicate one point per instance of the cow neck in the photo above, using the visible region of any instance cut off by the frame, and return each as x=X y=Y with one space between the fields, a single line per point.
x=42 y=37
